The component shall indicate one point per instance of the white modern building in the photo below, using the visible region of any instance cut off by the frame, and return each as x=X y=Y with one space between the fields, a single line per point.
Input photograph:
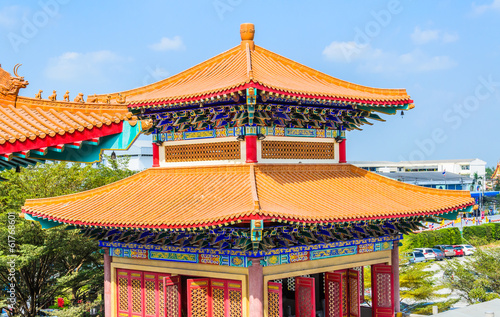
x=140 y=155
x=437 y=172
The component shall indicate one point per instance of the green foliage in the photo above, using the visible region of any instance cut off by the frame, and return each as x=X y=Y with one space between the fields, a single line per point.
x=477 y=279
x=55 y=262
x=475 y=235
x=417 y=283
x=426 y=309
x=428 y=239
x=483 y=234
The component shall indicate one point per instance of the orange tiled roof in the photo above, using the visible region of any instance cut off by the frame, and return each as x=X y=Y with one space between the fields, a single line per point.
x=496 y=173
x=33 y=118
x=46 y=123
x=201 y=196
x=260 y=68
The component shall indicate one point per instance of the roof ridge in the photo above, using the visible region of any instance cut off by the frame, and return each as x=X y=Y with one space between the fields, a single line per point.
x=253 y=186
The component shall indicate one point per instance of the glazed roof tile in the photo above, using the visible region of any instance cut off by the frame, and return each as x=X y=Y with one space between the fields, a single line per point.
x=32 y=118
x=200 y=196
x=239 y=68
x=50 y=123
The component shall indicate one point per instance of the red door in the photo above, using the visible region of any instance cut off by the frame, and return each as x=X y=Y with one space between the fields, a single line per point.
x=305 y=299
x=275 y=299
x=354 y=304
x=382 y=291
x=333 y=294
x=198 y=297
x=172 y=291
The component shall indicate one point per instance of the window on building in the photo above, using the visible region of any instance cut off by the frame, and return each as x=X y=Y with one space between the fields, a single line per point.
x=465 y=167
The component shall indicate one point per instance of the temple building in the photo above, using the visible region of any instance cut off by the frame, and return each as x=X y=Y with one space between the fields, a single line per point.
x=250 y=208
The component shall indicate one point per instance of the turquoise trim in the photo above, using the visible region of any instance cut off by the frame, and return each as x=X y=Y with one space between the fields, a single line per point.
x=450 y=216
x=45 y=223
x=91 y=152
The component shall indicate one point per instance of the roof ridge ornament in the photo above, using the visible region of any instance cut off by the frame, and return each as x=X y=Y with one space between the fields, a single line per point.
x=247 y=32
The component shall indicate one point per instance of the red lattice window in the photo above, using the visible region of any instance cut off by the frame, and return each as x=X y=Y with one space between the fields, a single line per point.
x=214 y=297
x=305 y=305
x=140 y=293
x=215 y=151
x=382 y=290
x=298 y=150
x=275 y=299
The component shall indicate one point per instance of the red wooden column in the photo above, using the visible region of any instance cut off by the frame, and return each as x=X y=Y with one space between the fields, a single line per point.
x=395 y=274
x=107 y=283
x=342 y=152
x=256 y=289
x=156 y=155
x=251 y=147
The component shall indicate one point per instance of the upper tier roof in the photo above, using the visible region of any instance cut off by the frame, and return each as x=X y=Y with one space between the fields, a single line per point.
x=184 y=197
x=249 y=65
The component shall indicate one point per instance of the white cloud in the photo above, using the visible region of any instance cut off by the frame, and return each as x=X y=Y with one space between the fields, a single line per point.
x=347 y=51
x=420 y=36
x=11 y=16
x=413 y=62
x=374 y=60
x=72 y=65
x=166 y=44
x=480 y=9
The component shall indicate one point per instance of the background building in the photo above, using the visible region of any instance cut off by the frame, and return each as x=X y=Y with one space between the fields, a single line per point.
x=443 y=174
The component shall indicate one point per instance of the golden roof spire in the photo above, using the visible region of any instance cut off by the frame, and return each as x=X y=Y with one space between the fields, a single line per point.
x=247 y=32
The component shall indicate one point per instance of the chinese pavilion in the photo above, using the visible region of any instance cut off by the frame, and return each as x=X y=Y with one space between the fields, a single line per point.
x=250 y=208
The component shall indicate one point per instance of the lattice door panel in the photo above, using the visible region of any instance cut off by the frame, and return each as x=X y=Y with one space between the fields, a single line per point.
x=275 y=299
x=218 y=294
x=150 y=292
x=298 y=150
x=333 y=294
x=172 y=296
x=235 y=299
x=136 y=294
x=354 y=304
x=382 y=290
x=218 y=151
x=198 y=297
x=361 y=270
x=123 y=284
x=305 y=299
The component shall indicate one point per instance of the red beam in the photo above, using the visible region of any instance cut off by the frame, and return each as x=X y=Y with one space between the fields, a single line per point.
x=66 y=138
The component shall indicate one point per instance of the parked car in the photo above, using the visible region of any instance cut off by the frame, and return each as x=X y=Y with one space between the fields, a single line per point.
x=446 y=249
x=428 y=253
x=415 y=257
x=468 y=249
x=458 y=250
x=439 y=254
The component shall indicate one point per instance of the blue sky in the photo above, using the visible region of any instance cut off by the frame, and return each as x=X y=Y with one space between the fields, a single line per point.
x=445 y=53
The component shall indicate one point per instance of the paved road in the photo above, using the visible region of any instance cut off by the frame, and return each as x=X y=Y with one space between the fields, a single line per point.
x=462 y=223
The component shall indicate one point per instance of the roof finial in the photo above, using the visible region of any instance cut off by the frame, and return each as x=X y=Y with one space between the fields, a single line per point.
x=247 y=32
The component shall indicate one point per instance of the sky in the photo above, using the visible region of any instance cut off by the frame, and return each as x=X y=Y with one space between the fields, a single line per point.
x=445 y=53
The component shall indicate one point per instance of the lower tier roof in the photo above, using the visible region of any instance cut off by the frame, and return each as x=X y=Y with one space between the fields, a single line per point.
x=181 y=197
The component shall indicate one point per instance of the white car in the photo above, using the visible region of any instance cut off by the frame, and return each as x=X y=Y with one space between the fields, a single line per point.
x=428 y=253
x=468 y=249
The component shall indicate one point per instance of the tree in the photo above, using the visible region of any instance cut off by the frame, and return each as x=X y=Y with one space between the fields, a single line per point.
x=49 y=263
x=477 y=279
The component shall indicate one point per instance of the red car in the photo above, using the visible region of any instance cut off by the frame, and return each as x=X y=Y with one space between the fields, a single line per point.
x=458 y=250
